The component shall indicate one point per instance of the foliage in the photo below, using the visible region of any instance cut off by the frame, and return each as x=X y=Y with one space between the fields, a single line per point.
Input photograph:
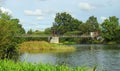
x=8 y=65
x=85 y=28
x=30 y=31
x=111 y=29
x=73 y=33
x=93 y=23
x=9 y=28
x=36 y=32
x=85 y=40
x=64 y=22
x=71 y=39
x=47 y=31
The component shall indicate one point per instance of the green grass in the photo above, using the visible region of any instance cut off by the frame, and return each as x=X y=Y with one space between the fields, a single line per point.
x=9 y=65
x=42 y=45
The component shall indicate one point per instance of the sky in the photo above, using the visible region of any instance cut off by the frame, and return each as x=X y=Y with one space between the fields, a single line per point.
x=40 y=14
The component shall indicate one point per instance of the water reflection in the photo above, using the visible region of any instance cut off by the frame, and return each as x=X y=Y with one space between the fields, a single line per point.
x=107 y=57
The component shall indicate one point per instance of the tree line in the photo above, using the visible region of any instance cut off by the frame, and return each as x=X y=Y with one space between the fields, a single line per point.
x=65 y=24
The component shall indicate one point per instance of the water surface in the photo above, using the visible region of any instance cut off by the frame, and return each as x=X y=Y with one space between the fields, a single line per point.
x=106 y=57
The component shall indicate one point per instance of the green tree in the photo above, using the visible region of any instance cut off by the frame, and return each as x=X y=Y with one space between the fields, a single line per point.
x=64 y=22
x=18 y=27
x=48 y=31
x=9 y=27
x=38 y=32
x=30 y=31
x=111 y=29
x=85 y=28
x=90 y=25
x=94 y=25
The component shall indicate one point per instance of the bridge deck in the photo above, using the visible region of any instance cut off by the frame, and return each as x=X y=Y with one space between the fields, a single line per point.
x=52 y=36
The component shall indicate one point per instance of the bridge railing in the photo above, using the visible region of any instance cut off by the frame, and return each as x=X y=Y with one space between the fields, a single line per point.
x=26 y=35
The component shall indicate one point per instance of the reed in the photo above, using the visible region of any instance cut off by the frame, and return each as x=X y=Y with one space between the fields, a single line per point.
x=42 y=45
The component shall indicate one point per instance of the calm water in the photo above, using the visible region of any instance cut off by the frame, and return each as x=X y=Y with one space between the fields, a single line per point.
x=107 y=57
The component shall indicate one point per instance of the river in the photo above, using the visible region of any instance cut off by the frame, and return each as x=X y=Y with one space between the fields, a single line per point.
x=106 y=57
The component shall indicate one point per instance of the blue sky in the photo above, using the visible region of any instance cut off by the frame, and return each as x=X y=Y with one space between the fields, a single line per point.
x=39 y=14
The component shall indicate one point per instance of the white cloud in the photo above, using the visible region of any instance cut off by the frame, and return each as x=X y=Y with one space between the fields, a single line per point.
x=36 y=12
x=103 y=18
x=86 y=6
x=40 y=14
x=40 y=18
x=5 y=10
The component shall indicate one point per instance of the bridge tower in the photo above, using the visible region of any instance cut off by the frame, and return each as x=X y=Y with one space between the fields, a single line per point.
x=54 y=38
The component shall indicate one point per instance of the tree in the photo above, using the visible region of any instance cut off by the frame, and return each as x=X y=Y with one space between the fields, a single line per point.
x=9 y=27
x=85 y=28
x=91 y=25
x=38 y=32
x=18 y=27
x=111 y=29
x=47 y=31
x=64 y=22
x=30 y=31
x=94 y=25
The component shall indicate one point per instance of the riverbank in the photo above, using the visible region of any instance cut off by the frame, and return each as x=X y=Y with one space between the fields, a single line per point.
x=9 y=65
x=43 y=45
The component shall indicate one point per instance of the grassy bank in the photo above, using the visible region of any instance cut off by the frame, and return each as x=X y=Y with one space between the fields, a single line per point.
x=8 y=65
x=42 y=45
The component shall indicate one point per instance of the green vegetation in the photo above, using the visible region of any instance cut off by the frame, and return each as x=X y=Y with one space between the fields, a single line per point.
x=9 y=27
x=8 y=65
x=111 y=29
x=65 y=24
x=42 y=45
